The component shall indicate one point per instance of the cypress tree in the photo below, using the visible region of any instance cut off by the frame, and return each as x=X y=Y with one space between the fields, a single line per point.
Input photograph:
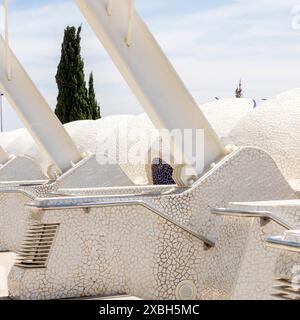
x=72 y=99
x=95 y=112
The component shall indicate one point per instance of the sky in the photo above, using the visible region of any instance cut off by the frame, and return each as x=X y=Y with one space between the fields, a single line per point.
x=211 y=43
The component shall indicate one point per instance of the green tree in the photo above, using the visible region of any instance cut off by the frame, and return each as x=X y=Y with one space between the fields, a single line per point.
x=72 y=99
x=94 y=105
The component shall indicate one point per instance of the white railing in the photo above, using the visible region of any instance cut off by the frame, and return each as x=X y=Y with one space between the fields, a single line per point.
x=121 y=203
x=265 y=215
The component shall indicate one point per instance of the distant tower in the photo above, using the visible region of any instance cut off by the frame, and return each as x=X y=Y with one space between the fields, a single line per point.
x=239 y=90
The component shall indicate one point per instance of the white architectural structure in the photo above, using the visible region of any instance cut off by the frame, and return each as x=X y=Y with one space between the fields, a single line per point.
x=4 y=157
x=287 y=269
x=155 y=83
x=274 y=127
x=33 y=109
x=89 y=135
x=207 y=241
x=13 y=168
x=41 y=122
x=156 y=233
x=34 y=112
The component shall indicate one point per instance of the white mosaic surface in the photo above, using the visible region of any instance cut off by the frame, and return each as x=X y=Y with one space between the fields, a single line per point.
x=88 y=136
x=21 y=168
x=285 y=265
x=130 y=250
x=13 y=197
x=288 y=266
x=274 y=127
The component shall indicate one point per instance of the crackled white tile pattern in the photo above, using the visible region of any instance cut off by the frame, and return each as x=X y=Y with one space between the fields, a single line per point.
x=111 y=251
x=21 y=168
x=13 y=197
x=130 y=250
x=288 y=266
x=274 y=127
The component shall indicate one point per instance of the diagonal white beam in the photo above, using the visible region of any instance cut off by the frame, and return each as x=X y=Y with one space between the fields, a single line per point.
x=36 y=114
x=147 y=71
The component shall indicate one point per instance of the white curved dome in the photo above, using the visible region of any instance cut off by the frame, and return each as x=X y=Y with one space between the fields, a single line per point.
x=274 y=127
x=224 y=114
x=89 y=135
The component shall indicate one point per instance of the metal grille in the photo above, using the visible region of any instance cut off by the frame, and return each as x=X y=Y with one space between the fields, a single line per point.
x=35 y=249
x=286 y=290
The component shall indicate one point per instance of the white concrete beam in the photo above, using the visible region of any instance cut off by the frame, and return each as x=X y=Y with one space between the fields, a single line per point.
x=147 y=71
x=35 y=113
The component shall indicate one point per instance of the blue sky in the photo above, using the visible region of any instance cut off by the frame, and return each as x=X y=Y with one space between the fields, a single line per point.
x=211 y=43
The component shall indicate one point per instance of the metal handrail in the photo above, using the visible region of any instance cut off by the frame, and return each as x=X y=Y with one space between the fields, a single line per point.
x=168 y=192
x=87 y=205
x=16 y=184
x=267 y=215
x=279 y=243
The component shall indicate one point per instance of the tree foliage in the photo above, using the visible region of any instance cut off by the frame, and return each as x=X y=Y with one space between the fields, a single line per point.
x=94 y=105
x=74 y=100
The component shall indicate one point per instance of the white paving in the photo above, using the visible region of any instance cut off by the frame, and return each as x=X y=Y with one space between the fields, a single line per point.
x=6 y=262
